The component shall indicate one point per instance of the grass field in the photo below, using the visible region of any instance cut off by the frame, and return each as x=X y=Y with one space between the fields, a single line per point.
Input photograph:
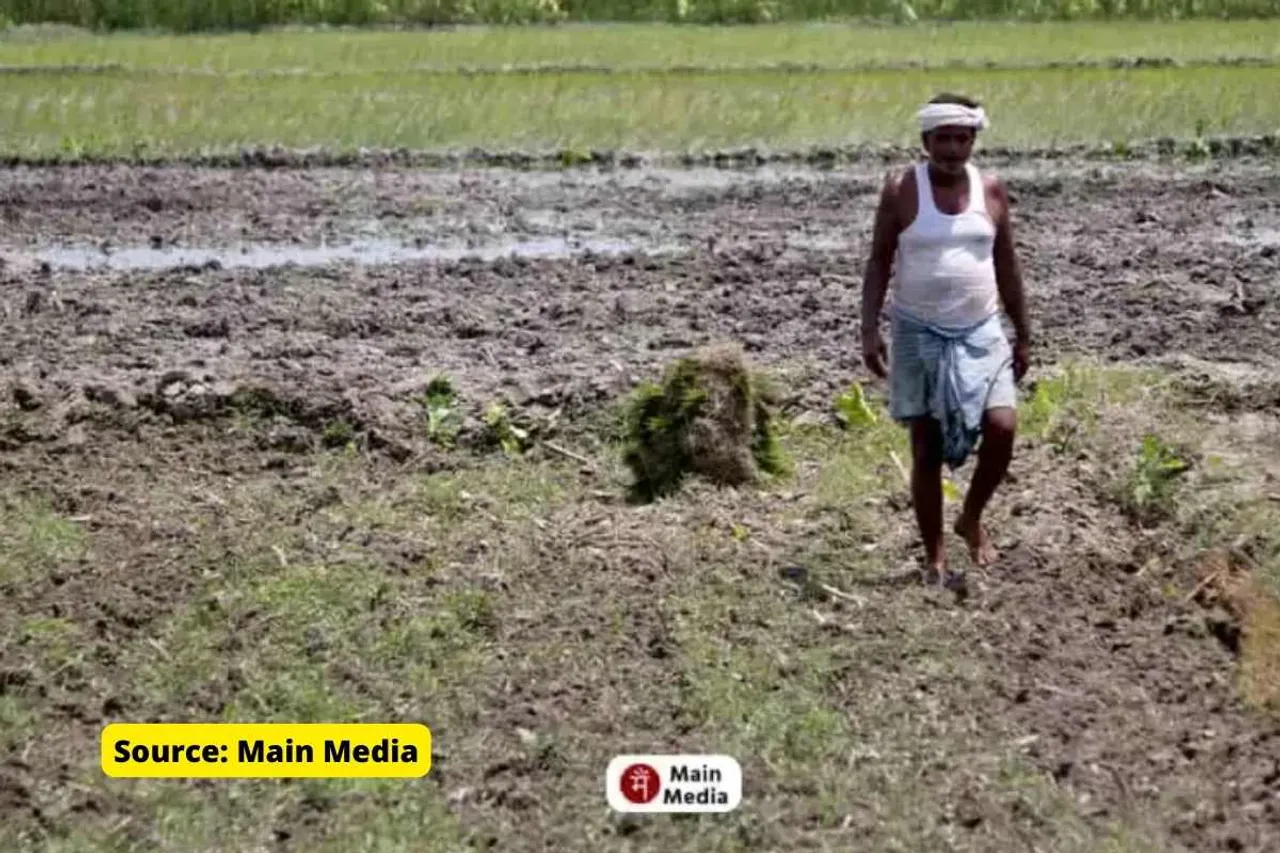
x=95 y=115
x=651 y=46
x=636 y=94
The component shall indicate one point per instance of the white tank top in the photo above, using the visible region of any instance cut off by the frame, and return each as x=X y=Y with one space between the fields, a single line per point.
x=945 y=271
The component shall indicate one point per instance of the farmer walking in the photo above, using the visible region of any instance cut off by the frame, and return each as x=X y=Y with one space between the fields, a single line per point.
x=943 y=231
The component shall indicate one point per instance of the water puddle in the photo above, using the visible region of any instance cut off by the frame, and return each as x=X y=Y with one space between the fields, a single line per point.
x=1259 y=238
x=265 y=256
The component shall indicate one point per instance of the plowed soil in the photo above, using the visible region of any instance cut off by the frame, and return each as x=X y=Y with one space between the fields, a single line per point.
x=178 y=417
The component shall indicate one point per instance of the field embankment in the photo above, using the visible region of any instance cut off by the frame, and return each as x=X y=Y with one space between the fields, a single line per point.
x=242 y=14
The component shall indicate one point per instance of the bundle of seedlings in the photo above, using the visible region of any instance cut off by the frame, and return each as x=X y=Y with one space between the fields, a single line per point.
x=711 y=416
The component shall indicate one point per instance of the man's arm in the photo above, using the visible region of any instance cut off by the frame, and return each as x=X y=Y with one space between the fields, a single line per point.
x=1008 y=270
x=884 y=244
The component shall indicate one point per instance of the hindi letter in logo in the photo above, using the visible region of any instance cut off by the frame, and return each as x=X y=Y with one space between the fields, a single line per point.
x=673 y=783
x=640 y=783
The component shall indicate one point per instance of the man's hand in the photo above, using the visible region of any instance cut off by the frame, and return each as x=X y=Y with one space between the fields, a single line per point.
x=875 y=281
x=1009 y=278
x=874 y=353
x=1021 y=359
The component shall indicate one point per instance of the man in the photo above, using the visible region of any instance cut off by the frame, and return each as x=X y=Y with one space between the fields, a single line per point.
x=944 y=231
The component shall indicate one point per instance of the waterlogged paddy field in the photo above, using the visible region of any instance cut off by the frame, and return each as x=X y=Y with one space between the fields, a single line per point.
x=91 y=114
x=222 y=497
x=647 y=88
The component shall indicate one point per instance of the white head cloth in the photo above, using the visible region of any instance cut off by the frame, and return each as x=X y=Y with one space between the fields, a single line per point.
x=955 y=115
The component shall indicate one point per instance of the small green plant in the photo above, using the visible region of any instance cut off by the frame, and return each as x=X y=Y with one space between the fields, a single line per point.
x=1063 y=410
x=1197 y=149
x=338 y=433
x=34 y=539
x=443 y=419
x=852 y=409
x=512 y=439
x=571 y=157
x=950 y=491
x=1150 y=489
x=474 y=611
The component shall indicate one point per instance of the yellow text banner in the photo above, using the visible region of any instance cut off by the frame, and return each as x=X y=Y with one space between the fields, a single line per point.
x=266 y=750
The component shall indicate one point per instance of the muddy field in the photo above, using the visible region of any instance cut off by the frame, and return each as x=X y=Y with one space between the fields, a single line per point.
x=599 y=279
x=184 y=404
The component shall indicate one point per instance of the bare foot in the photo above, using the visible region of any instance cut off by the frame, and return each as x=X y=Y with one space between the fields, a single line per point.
x=981 y=550
x=933 y=571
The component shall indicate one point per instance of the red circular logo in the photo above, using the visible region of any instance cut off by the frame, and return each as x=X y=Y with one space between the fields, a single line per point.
x=640 y=783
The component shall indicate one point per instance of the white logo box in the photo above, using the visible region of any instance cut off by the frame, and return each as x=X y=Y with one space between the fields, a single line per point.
x=676 y=784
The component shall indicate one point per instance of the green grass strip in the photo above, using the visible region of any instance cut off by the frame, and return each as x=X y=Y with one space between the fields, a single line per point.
x=102 y=116
x=654 y=46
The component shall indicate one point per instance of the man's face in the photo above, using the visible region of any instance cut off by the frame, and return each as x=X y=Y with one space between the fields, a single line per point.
x=949 y=148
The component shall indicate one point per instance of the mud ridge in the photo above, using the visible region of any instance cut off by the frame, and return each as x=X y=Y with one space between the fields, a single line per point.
x=1225 y=396
x=1117 y=63
x=89 y=68
x=295 y=423
x=1162 y=148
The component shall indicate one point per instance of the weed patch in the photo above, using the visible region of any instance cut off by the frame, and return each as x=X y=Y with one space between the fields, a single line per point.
x=35 y=540
x=500 y=488
x=16 y=719
x=1149 y=490
x=1063 y=409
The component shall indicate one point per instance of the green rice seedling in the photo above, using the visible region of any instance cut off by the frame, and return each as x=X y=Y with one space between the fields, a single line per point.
x=675 y=112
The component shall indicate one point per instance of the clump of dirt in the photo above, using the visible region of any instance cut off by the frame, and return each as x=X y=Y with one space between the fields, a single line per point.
x=1225 y=589
x=1243 y=613
x=712 y=416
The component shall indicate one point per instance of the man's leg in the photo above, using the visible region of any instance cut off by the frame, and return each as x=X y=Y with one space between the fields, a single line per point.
x=999 y=426
x=926 y=489
x=911 y=360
